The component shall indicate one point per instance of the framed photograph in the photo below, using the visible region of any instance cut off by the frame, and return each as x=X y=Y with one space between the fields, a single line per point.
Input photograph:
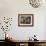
x=25 y=19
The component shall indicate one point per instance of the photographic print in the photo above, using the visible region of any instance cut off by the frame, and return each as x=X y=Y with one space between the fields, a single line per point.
x=25 y=20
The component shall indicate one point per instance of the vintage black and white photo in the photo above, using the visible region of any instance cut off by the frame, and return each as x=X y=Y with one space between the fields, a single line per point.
x=25 y=19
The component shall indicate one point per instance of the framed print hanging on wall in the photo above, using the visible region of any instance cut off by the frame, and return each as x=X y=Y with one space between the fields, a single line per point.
x=25 y=20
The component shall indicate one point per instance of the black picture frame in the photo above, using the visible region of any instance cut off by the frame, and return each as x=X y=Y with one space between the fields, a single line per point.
x=26 y=20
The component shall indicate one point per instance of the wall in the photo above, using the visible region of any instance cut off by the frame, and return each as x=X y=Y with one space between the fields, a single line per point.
x=11 y=8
